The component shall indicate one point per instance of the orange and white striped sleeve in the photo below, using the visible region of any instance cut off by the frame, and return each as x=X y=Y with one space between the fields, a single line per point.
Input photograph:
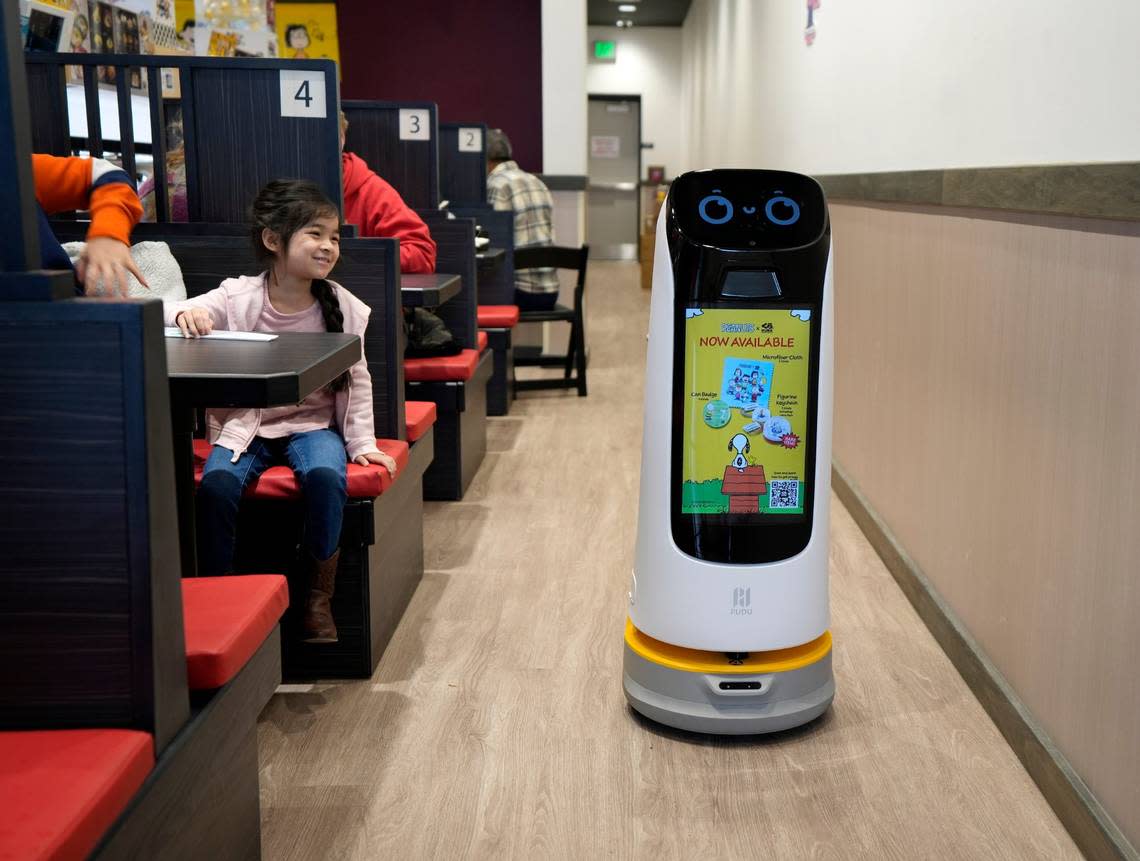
x=69 y=183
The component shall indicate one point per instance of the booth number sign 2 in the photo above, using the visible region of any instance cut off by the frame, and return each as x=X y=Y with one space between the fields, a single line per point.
x=303 y=94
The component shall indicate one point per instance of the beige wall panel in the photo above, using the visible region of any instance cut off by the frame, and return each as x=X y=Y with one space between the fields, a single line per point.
x=988 y=405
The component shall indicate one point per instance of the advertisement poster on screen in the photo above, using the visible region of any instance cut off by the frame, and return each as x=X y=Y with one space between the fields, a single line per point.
x=746 y=379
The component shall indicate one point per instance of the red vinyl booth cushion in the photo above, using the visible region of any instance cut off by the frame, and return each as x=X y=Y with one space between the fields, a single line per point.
x=442 y=369
x=60 y=790
x=418 y=417
x=481 y=340
x=226 y=621
x=497 y=316
x=278 y=482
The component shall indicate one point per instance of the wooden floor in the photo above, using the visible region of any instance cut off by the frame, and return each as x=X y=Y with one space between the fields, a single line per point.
x=495 y=726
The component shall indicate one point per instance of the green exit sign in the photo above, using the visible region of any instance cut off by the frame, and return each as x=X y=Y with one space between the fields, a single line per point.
x=605 y=50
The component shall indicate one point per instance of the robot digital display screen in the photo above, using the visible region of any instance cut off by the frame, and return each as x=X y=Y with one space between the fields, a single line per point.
x=746 y=378
x=752 y=210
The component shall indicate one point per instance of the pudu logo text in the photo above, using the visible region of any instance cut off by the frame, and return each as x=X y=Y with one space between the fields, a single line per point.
x=741 y=601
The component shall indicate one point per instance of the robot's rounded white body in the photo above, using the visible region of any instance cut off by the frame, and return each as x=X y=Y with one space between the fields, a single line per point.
x=730 y=646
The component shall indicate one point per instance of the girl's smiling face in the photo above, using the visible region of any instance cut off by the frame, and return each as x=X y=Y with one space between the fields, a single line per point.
x=314 y=249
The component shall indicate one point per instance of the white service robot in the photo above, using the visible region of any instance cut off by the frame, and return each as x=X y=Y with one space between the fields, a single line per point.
x=728 y=608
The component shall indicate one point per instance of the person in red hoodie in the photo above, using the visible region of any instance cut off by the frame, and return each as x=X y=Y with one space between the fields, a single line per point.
x=378 y=210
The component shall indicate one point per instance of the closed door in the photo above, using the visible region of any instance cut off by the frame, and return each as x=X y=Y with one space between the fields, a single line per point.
x=614 y=168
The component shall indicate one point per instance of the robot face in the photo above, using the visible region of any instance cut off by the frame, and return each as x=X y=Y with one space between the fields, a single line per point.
x=748 y=210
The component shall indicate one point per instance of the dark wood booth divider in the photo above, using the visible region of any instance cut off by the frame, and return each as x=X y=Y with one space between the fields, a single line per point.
x=496 y=295
x=231 y=113
x=382 y=558
x=464 y=182
x=99 y=613
x=461 y=426
x=235 y=135
x=91 y=622
x=400 y=141
x=497 y=279
x=463 y=164
x=455 y=254
x=129 y=696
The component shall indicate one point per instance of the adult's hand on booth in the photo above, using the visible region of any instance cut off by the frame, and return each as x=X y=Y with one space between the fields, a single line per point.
x=379 y=457
x=107 y=261
x=194 y=322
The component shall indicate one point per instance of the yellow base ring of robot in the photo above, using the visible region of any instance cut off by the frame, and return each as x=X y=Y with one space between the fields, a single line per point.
x=714 y=692
x=701 y=661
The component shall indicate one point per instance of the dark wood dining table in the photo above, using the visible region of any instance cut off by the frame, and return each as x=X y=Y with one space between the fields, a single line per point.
x=428 y=290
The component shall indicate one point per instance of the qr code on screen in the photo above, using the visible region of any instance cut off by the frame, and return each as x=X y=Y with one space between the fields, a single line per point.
x=783 y=494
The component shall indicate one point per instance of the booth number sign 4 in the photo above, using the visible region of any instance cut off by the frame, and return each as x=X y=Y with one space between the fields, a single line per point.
x=303 y=94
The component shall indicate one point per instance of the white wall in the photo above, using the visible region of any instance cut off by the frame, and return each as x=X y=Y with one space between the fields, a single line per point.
x=564 y=87
x=899 y=85
x=649 y=65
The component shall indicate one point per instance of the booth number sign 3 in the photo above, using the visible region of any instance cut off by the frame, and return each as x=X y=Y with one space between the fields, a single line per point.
x=303 y=94
x=415 y=124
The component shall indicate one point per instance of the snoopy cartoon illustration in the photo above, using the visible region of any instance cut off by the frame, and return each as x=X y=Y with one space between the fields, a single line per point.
x=740 y=444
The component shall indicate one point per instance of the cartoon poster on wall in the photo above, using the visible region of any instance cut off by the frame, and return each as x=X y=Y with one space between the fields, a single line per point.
x=226 y=29
x=307 y=31
x=746 y=381
x=185 y=22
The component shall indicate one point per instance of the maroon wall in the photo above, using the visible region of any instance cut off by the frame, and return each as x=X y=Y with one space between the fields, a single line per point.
x=479 y=61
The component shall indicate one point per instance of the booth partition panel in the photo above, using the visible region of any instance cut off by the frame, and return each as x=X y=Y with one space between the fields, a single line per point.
x=91 y=624
x=463 y=163
x=230 y=124
x=497 y=276
x=400 y=142
x=455 y=254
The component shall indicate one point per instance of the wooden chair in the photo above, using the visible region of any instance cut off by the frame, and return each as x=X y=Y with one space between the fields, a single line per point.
x=574 y=362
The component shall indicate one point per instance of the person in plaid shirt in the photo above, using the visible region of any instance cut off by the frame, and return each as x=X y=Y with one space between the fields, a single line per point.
x=509 y=187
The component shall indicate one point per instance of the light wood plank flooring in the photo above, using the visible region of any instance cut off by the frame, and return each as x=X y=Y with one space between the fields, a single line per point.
x=495 y=726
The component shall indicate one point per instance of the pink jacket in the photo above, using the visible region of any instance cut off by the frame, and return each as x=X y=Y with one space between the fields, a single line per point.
x=237 y=305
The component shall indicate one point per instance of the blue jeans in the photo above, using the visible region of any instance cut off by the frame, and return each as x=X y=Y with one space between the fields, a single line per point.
x=318 y=460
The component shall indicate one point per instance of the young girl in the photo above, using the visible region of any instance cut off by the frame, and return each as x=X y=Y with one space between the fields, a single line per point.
x=296 y=234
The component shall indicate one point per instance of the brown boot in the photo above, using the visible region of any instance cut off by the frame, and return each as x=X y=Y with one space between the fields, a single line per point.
x=318 y=624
